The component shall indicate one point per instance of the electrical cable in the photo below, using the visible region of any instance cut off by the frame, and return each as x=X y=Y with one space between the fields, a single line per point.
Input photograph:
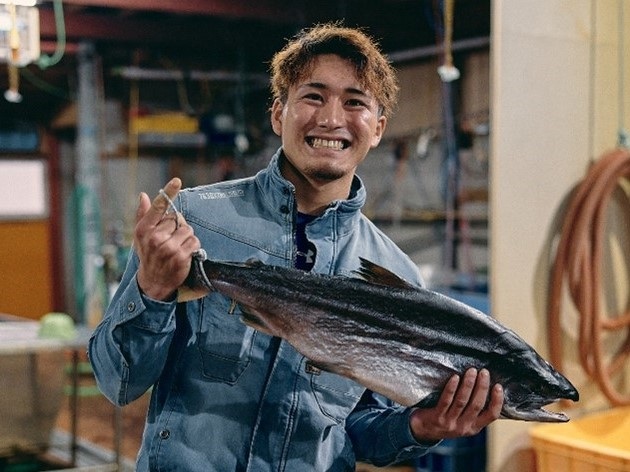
x=578 y=261
x=41 y=84
x=46 y=61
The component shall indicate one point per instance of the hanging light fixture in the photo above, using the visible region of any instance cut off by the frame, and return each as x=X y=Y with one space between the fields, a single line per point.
x=19 y=3
x=19 y=40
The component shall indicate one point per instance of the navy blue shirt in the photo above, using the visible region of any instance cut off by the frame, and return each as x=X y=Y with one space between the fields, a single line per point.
x=306 y=250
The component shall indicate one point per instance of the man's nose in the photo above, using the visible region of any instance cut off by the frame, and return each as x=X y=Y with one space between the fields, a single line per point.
x=331 y=114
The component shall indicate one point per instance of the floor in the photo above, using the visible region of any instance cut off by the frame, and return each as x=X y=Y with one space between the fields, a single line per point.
x=96 y=429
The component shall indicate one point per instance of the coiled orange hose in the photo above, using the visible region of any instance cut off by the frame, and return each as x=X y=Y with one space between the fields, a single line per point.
x=579 y=260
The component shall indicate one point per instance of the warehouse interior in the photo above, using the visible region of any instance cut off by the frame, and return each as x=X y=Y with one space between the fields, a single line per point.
x=476 y=178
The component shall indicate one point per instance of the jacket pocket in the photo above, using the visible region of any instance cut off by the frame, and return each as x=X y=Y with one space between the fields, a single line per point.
x=335 y=395
x=225 y=342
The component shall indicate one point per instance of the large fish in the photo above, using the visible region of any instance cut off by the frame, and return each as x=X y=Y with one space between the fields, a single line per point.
x=396 y=339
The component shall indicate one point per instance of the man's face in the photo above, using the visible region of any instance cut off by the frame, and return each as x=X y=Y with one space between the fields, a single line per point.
x=328 y=123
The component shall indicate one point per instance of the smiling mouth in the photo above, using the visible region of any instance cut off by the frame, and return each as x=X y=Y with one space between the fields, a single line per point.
x=335 y=144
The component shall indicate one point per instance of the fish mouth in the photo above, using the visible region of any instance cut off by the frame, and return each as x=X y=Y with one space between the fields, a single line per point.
x=533 y=414
x=534 y=410
x=323 y=143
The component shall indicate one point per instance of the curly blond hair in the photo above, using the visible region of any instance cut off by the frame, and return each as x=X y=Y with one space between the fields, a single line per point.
x=374 y=71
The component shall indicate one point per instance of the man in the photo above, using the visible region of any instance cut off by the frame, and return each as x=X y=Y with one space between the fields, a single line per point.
x=226 y=397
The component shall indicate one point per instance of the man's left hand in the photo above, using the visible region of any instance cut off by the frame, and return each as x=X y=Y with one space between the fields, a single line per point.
x=463 y=408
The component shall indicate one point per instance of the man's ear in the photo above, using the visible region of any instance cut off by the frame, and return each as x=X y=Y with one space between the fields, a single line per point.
x=379 y=130
x=277 y=108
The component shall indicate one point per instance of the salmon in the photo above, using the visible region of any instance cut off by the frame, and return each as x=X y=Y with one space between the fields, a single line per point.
x=394 y=338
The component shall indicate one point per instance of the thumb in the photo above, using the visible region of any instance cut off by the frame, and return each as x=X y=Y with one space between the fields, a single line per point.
x=154 y=210
x=144 y=203
x=172 y=188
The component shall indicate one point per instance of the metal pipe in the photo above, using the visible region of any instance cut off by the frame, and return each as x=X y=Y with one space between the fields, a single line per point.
x=139 y=73
x=436 y=50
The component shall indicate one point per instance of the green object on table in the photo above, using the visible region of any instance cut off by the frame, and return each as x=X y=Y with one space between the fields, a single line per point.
x=57 y=326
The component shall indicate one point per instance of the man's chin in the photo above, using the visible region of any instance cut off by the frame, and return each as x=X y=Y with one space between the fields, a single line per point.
x=325 y=175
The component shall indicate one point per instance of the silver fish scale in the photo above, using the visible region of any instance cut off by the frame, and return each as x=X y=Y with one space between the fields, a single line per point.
x=401 y=341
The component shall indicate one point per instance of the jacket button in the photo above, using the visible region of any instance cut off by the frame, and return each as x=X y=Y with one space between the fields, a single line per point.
x=131 y=306
x=165 y=434
x=284 y=209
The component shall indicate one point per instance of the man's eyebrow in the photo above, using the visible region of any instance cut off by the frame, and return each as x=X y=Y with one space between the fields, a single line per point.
x=322 y=86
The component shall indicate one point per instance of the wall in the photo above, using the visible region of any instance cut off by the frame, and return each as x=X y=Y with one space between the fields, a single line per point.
x=26 y=252
x=545 y=130
x=420 y=100
x=25 y=268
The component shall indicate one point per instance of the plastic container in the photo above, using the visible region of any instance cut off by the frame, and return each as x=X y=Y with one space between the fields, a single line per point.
x=466 y=454
x=168 y=122
x=594 y=443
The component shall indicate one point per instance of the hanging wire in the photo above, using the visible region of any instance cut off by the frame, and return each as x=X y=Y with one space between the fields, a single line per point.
x=46 y=61
x=12 y=94
x=624 y=136
x=448 y=72
x=182 y=90
x=43 y=85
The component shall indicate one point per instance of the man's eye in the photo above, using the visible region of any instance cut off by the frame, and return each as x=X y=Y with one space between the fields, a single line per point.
x=313 y=96
x=355 y=102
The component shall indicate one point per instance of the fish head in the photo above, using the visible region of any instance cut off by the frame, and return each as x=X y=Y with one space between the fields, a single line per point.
x=530 y=389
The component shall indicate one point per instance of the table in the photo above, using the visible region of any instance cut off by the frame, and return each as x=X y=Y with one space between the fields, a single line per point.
x=33 y=371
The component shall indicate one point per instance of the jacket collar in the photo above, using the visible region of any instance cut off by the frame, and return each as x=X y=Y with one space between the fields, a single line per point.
x=280 y=194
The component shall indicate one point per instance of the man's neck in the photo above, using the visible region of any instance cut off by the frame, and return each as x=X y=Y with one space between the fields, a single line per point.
x=314 y=196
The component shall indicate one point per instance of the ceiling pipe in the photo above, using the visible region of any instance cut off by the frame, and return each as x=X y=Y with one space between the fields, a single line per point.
x=139 y=73
x=432 y=51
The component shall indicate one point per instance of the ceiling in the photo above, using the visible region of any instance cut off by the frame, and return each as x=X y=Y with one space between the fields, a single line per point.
x=212 y=36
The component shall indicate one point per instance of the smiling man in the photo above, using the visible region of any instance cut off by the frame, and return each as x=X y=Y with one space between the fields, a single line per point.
x=224 y=396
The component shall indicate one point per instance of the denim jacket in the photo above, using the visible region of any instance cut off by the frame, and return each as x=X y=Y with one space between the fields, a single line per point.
x=224 y=396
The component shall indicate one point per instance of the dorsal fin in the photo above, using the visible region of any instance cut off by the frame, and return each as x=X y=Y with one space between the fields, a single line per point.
x=374 y=273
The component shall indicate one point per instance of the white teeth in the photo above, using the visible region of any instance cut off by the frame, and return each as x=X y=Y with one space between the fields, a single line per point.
x=328 y=143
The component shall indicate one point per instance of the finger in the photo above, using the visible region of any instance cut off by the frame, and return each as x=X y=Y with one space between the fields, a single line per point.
x=490 y=414
x=143 y=206
x=173 y=187
x=190 y=245
x=493 y=411
x=170 y=223
x=480 y=393
x=159 y=205
x=464 y=392
x=448 y=393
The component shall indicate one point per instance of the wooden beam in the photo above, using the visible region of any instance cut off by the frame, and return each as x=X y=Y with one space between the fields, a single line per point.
x=91 y=26
x=268 y=10
x=168 y=29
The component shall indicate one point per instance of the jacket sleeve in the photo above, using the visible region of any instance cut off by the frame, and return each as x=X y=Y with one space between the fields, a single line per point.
x=129 y=347
x=380 y=432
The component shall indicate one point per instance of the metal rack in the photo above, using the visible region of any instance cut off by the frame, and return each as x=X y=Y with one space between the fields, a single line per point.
x=34 y=373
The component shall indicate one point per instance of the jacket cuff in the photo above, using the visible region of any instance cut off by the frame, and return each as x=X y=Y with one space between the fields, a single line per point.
x=403 y=440
x=144 y=312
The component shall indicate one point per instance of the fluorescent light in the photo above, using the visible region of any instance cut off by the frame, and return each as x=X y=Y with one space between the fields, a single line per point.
x=19 y=3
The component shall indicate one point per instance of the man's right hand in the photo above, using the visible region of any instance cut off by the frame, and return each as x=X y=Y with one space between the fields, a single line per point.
x=164 y=243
